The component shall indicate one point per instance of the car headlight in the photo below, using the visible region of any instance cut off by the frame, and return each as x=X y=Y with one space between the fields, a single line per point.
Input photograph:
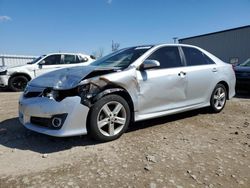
x=83 y=89
x=50 y=93
x=3 y=72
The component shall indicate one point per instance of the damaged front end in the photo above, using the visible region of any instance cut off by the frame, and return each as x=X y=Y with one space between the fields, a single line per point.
x=89 y=87
x=60 y=111
x=87 y=90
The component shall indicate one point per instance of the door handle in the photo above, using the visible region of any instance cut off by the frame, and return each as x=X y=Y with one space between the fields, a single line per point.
x=182 y=73
x=214 y=70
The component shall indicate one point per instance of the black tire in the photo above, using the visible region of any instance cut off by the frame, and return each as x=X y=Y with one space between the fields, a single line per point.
x=96 y=113
x=18 y=83
x=218 y=108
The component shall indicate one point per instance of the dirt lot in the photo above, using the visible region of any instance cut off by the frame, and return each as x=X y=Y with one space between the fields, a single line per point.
x=194 y=149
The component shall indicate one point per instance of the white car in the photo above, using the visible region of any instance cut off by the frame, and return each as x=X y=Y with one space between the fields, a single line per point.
x=16 y=78
x=132 y=84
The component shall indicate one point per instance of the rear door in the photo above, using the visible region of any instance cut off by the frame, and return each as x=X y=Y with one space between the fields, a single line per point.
x=162 y=88
x=200 y=71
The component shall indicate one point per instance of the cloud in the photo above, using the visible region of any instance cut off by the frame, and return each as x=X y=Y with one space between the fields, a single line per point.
x=5 y=18
x=109 y=1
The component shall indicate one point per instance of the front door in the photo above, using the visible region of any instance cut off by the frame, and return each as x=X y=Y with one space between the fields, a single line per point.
x=51 y=63
x=163 y=88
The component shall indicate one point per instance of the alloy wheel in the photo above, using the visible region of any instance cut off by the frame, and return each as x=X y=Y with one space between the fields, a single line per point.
x=111 y=118
x=219 y=98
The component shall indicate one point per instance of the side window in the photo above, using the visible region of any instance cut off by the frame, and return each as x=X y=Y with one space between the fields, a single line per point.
x=53 y=60
x=195 y=57
x=167 y=56
x=70 y=59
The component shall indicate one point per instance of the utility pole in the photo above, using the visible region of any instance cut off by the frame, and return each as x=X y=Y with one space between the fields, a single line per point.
x=175 y=39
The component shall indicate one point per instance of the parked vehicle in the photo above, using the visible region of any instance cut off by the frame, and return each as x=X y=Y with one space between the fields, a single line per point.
x=242 y=72
x=16 y=78
x=132 y=84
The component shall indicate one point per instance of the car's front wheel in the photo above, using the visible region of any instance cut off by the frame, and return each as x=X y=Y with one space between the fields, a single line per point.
x=109 y=118
x=218 y=98
x=18 y=83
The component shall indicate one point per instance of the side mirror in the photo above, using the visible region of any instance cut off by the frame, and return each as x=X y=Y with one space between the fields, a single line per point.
x=41 y=62
x=92 y=57
x=149 y=64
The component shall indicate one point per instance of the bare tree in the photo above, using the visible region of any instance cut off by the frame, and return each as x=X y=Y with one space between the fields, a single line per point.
x=98 y=53
x=115 y=46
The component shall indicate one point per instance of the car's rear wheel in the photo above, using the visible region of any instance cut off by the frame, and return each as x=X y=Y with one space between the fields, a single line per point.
x=109 y=118
x=18 y=83
x=218 y=98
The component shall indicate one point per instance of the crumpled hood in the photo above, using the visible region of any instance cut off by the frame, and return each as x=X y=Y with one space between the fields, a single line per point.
x=66 y=78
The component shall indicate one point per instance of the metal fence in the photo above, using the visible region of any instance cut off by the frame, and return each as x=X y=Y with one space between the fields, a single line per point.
x=15 y=60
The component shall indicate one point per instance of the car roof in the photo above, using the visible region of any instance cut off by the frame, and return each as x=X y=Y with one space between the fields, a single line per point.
x=164 y=44
x=66 y=53
x=177 y=44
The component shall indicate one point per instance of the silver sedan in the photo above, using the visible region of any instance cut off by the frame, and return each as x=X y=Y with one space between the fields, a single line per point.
x=131 y=84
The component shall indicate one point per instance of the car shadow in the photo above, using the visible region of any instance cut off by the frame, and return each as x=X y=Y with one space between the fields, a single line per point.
x=167 y=119
x=13 y=135
x=5 y=89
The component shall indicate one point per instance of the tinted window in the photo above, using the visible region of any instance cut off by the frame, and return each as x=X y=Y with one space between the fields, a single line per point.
x=53 y=60
x=167 y=56
x=196 y=57
x=70 y=59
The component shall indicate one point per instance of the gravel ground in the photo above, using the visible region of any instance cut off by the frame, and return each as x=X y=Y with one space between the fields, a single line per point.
x=194 y=149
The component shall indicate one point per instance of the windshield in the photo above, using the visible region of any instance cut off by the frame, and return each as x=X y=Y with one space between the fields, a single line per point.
x=36 y=60
x=122 y=58
x=245 y=63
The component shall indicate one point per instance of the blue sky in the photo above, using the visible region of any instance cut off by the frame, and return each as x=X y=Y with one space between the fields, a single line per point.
x=35 y=27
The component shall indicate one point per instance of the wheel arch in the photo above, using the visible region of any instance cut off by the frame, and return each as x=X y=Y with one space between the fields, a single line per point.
x=225 y=84
x=111 y=89
x=20 y=74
